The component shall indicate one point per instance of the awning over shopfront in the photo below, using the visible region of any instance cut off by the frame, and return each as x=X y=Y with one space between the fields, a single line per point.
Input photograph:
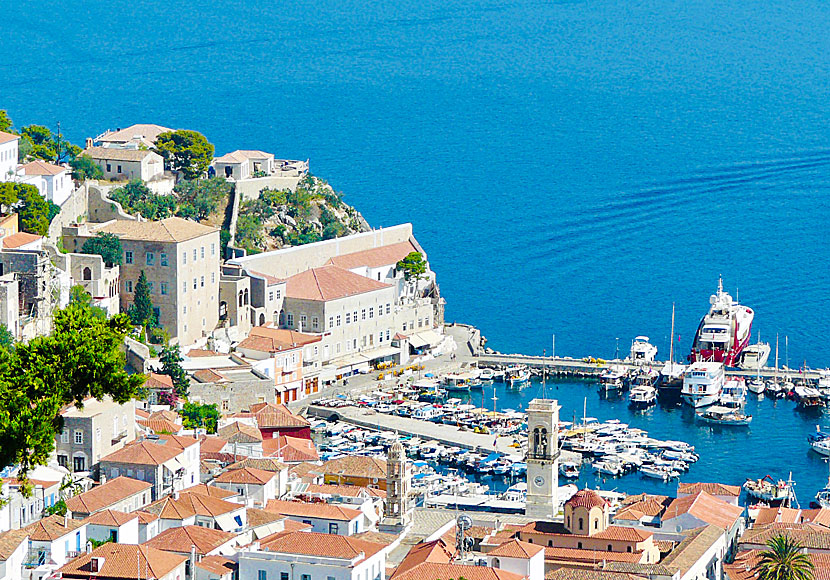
x=425 y=338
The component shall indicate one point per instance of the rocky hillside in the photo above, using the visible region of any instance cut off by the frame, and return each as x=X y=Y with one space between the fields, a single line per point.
x=279 y=218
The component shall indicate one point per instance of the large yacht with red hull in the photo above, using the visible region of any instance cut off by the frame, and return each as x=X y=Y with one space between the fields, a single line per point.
x=724 y=331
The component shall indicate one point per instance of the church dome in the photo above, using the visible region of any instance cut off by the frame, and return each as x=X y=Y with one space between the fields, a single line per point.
x=587 y=499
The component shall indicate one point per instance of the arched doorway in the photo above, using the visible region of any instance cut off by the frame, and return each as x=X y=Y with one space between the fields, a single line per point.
x=87 y=273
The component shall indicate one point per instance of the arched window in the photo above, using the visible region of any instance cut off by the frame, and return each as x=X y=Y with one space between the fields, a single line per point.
x=596 y=524
x=550 y=543
x=609 y=547
x=569 y=522
x=581 y=524
x=240 y=297
x=530 y=540
x=87 y=273
x=628 y=549
x=262 y=320
x=496 y=562
x=246 y=296
x=579 y=545
x=282 y=317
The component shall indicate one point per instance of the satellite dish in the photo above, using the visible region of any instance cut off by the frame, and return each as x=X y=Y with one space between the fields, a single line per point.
x=464 y=522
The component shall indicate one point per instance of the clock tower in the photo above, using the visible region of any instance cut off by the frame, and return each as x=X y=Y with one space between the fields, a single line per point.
x=542 y=459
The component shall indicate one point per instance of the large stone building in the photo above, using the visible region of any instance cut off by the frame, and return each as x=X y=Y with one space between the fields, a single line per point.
x=181 y=261
x=100 y=428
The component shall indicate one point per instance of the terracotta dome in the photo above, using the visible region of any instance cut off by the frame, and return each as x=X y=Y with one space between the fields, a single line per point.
x=587 y=499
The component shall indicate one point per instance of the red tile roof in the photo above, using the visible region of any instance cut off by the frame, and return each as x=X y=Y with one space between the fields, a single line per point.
x=127 y=561
x=160 y=425
x=577 y=555
x=516 y=549
x=329 y=283
x=6 y=137
x=706 y=508
x=375 y=257
x=268 y=339
x=218 y=565
x=52 y=527
x=356 y=466
x=106 y=494
x=433 y=570
x=246 y=475
x=142 y=453
x=436 y=551
x=315 y=510
x=110 y=518
x=19 y=239
x=623 y=534
x=290 y=449
x=272 y=416
x=325 y=545
x=39 y=167
x=343 y=490
x=743 y=566
x=209 y=490
x=710 y=488
x=10 y=541
x=158 y=381
x=190 y=504
x=238 y=432
x=586 y=498
x=180 y=539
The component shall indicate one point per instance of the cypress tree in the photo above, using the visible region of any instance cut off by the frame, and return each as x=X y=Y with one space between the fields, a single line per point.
x=141 y=312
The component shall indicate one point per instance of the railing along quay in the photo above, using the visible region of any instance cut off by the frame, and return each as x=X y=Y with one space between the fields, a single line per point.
x=579 y=368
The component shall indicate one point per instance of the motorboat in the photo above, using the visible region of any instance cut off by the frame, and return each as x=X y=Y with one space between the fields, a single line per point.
x=608 y=467
x=655 y=472
x=487 y=375
x=733 y=394
x=821 y=446
x=458 y=382
x=613 y=379
x=642 y=351
x=642 y=396
x=775 y=389
x=569 y=469
x=724 y=331
x=703 y=383
x=718 y=415
x=517 y=375
x=768 y=490
x=754 y=356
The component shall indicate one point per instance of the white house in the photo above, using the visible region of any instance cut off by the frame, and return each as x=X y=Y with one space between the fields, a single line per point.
x=55 y=182
x=110 y=562
x=519 y=557
x=187 y=509
x=120 y=527
x=117 y=163
x=206 y=541
x=256 y=485
x=313 y=556
x=14 y=546
x=53 y=541
x=122 y=494
x=323 y=518
x=8 y=155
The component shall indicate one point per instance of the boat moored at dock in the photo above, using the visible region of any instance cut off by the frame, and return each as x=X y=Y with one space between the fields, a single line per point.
x=703 y=383
x=724 y=331
x=718 y=415
x=642 y=351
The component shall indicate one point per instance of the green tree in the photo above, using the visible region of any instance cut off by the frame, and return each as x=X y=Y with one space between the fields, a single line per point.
x=79 y=296
x=8 y=196
x=136 y=197
x=81 y=358
x=171 y=365
x=141 y=311
x=413 y=266
x=784 y=559
x=6 y=337
x=5 y=121
x=33 y=209
x=187 y=151
x=196 y=416
x=58 y=508
x=83 y=168
x=49 y=146
x=106 y=245
x=199 y=198
x=249 y=231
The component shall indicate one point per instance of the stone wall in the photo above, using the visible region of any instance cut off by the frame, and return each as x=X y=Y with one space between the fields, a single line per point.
x=235 y=396
x=138 y=355
x=73 y=210
x=101 y=208
x=250 y=188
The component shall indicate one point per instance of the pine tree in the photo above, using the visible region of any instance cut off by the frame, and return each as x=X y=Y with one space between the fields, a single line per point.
x=141 y=311
x=171 y=360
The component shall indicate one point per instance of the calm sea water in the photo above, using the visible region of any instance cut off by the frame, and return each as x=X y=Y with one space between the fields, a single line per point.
x=571 y=167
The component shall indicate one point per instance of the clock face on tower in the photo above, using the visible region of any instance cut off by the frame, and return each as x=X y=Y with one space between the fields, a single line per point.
x=539 y=481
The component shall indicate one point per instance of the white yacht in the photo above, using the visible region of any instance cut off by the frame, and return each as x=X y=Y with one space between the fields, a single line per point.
x=703 y=383
x=642 y=351
x=613 y=379
x=754 y=356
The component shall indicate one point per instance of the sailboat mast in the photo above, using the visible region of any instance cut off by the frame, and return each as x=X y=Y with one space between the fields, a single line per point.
x=671 y=338
x=776 y=358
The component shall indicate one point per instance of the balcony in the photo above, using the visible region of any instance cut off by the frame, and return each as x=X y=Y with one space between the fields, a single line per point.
x=120 y=437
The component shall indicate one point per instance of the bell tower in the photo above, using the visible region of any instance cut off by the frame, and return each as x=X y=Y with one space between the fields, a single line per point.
x=542 y=459
x=398 y=483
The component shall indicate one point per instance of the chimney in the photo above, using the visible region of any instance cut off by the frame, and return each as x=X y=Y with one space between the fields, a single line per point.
x=192 y=559
x=102 y=479
x=176 y=495
x=89 y=547
x=66 y=520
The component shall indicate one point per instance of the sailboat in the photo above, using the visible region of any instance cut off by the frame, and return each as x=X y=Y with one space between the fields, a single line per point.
x=774 y=387
x=757 y=385
x=671 y=375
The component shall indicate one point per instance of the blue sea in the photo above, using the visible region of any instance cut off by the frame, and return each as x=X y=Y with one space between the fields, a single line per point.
x=572 y=168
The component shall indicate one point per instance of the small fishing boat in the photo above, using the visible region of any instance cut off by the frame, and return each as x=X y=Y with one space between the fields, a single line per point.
x=569 y=469
x=608 y=467
x=733 y=394
x=656 y=472
x=756 y=386
x=642 y=397
x=457 y=382
x=517 y=375
x=717 y=415
x=487 y=375
x=767 y=489
x=807 y=397
x=613 y=379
